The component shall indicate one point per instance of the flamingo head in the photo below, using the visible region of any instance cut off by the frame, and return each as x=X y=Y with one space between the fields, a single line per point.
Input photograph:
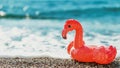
x=70 y=25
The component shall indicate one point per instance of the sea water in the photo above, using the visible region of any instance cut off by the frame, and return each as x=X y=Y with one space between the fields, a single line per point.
x=31 y=28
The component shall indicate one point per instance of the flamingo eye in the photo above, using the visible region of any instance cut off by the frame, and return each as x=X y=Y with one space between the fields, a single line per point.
x=69 y=26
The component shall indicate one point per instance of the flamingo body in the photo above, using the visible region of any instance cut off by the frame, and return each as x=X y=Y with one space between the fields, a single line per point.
x=82 y=53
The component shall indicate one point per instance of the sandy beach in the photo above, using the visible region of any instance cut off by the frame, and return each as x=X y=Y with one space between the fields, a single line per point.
x=49 y=62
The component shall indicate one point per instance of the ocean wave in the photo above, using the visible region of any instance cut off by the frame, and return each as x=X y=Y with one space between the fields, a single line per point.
x=65 y=14
x=22 y=42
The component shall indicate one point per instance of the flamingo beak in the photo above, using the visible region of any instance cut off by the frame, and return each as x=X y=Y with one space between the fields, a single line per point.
x=64 y=33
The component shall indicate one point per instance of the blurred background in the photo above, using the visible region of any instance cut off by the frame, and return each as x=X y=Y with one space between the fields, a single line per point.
x=33 y=27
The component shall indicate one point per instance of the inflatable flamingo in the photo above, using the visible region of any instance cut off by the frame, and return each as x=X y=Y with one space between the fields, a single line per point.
x=82 y=53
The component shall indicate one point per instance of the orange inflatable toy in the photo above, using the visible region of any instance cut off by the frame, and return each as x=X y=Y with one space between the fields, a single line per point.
x=82 y=53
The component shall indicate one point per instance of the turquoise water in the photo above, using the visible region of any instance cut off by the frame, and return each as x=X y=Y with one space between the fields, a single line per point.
x=33 y=27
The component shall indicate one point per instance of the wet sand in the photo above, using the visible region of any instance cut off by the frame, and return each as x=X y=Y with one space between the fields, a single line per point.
x=48 y=62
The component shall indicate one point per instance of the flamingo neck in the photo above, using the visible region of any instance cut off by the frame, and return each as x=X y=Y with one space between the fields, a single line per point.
x=78 y=41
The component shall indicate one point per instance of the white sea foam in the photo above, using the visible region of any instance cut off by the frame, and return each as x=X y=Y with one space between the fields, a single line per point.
x=30 y=44
x=15 y=41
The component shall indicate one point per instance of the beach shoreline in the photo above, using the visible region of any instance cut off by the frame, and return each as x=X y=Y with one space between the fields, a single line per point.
x=49 y=62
